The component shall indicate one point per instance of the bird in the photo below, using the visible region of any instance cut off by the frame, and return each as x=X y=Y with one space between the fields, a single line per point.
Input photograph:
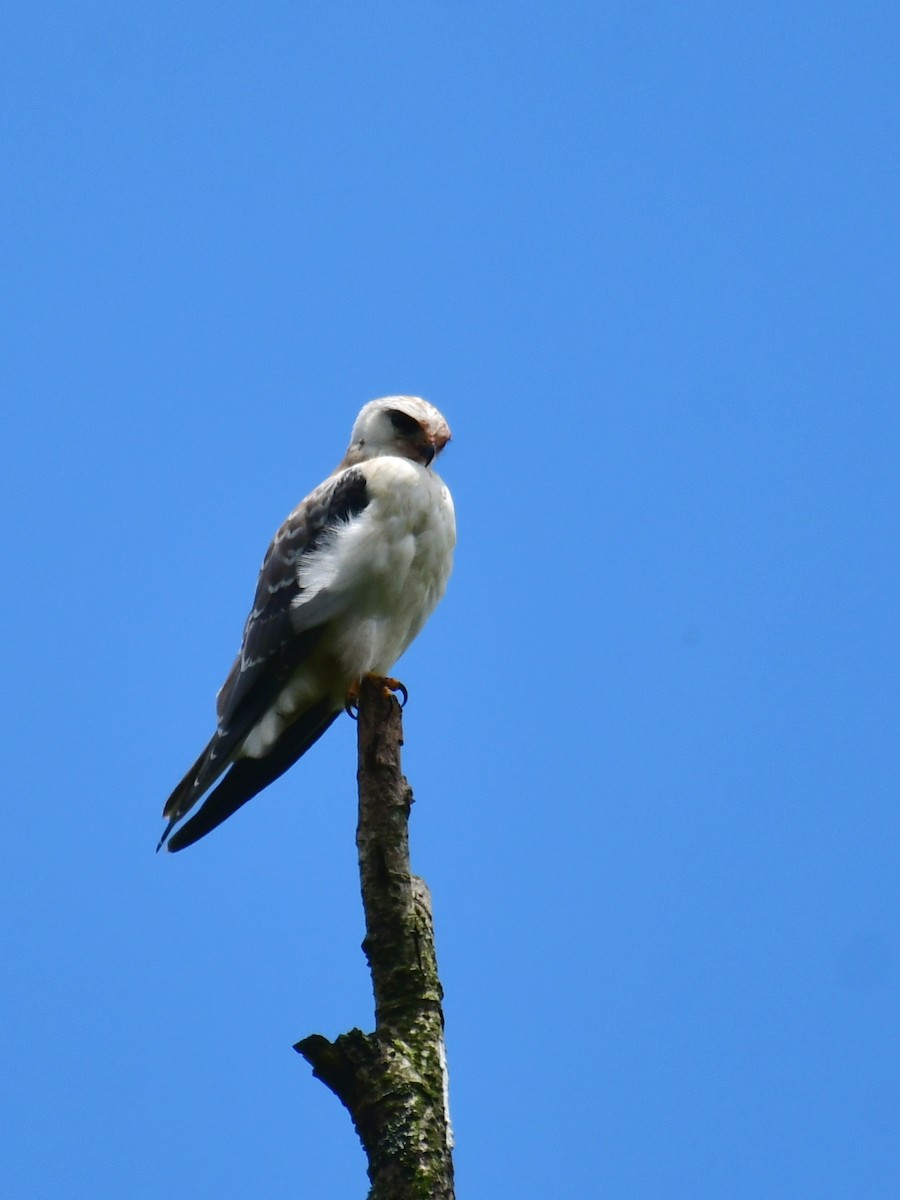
x=347 y=583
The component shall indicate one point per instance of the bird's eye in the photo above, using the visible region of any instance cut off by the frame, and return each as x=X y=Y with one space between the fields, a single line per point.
x=405 y=425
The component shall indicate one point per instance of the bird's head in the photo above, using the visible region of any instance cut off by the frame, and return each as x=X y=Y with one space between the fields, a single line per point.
x=406 y=426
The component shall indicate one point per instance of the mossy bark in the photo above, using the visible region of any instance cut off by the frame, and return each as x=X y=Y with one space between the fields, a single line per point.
x=393 y=1081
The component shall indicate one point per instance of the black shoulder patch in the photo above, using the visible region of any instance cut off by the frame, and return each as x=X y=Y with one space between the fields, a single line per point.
x=351 y=495
x=346 y=499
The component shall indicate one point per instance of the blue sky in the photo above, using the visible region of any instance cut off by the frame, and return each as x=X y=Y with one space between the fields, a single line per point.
x=644 y=257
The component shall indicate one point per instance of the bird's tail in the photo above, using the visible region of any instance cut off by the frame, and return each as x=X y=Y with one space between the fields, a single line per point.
x=245 y=779
x=201 y=775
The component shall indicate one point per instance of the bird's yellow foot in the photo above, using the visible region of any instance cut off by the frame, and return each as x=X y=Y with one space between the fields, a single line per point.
x=394 y=685
x=351 y=702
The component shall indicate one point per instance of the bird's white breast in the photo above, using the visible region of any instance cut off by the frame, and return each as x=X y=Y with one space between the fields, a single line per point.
x=391 y=564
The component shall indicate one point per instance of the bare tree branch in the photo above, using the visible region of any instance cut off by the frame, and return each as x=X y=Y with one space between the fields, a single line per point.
x=393 y=1081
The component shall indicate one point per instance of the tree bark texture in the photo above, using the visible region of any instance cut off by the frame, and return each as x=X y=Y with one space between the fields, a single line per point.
x=393 y=1081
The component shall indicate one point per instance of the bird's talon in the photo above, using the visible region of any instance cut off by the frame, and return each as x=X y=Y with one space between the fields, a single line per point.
x=394 y=685
x=351 y=704
x=389 y=686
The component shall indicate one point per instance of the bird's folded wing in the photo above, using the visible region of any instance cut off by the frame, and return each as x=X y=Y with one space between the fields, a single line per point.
x=287 y=620
x=283 y=628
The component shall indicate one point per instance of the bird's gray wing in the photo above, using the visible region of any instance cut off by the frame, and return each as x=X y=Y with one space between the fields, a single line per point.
x=279 y=634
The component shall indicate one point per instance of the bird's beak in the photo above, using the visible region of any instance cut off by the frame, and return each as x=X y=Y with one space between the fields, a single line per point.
x=433 y=445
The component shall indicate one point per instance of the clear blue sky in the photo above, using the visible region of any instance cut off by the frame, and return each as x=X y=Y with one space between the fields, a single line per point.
x=645 y=258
